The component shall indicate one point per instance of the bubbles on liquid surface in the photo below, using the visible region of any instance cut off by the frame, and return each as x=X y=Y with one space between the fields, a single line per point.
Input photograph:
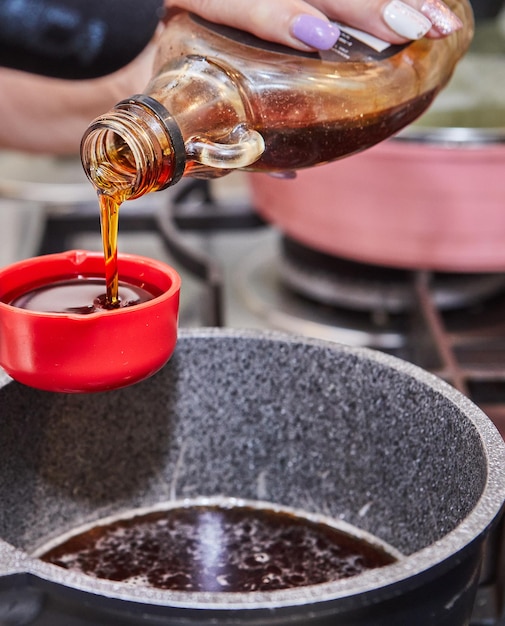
x=213 y=548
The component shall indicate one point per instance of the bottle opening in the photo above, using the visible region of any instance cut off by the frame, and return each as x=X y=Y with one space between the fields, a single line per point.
x=111 y=164
x=129 y=152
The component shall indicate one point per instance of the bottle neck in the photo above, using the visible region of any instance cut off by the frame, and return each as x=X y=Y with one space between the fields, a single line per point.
x=133 y=149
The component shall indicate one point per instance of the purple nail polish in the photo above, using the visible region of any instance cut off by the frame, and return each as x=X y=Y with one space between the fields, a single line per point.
x=314 y=32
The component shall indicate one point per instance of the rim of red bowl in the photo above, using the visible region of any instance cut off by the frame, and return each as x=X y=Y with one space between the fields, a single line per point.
x=78 y=258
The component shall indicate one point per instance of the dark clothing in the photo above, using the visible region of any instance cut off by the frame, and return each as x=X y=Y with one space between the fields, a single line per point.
x=75 y=39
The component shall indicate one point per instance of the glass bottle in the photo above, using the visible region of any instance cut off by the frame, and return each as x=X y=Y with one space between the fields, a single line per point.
x=221 y=99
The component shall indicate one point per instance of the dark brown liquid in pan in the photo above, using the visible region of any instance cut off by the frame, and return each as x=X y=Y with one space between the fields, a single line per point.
x=213 y=548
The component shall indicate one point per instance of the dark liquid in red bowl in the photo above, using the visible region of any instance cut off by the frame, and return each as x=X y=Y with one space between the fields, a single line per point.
x=216 y=548
x=79 y=295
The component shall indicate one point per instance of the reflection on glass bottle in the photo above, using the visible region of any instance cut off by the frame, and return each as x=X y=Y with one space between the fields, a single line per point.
x=220 y=100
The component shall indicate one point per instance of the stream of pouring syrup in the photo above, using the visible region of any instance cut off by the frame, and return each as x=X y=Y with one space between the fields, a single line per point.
x=109 y=218
x=113 y=179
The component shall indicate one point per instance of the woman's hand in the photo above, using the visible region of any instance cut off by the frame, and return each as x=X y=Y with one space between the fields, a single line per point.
x=306 y=25
x=50 y=115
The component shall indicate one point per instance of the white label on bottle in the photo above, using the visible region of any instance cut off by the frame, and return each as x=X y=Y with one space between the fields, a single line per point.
x=356 y=45
x=379 y=45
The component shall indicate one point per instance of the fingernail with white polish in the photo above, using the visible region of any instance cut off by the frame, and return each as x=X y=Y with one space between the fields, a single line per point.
x=405 y=20
x=314 y=32
x=441 y=17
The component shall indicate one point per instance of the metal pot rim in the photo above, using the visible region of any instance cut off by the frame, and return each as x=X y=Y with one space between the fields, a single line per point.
x=460 y=137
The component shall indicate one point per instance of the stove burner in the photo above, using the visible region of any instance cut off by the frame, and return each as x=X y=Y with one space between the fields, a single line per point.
x=358 y=286
x=259 y=286
x=367 y=306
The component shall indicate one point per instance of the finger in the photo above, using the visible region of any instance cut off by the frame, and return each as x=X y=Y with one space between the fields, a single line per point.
x=306 y=24
x=394 y=20
x=293 y=23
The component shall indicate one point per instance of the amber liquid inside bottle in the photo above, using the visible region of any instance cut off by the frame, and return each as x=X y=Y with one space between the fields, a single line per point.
x=221 y=100
x=309 y=108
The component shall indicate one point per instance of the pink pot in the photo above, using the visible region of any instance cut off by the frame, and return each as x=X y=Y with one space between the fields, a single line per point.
x=405 y=204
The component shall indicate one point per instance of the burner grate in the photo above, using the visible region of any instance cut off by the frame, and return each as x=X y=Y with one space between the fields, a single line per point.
x=359 y=286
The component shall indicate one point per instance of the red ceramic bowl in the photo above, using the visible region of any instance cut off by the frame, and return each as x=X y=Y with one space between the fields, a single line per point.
x=105 y=349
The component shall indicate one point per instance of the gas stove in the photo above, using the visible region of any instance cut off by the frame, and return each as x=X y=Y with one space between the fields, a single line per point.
x=240 y=272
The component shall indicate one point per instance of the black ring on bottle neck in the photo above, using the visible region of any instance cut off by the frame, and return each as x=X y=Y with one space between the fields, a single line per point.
x=174 y=132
